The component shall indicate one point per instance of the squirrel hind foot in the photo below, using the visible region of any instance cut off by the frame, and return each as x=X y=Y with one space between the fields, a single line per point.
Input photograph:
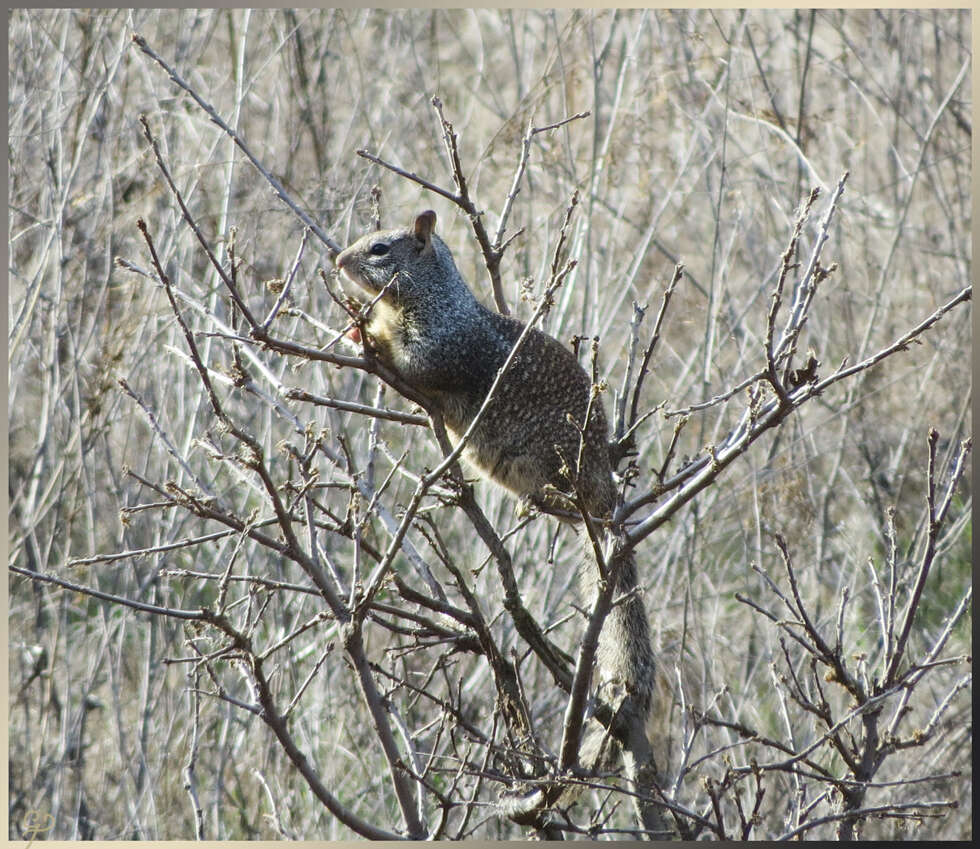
x=552 y=503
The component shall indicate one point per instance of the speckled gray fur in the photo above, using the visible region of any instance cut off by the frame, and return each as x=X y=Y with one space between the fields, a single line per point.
x=431 y=329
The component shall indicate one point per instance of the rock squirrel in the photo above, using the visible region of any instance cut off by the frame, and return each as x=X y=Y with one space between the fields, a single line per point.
x=429 y=328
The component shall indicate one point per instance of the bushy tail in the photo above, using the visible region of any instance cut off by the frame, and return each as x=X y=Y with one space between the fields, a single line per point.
x=625 y=680
x=625 y=656
x=625 y=683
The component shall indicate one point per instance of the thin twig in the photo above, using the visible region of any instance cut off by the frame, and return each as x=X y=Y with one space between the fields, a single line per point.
x=281 y=193
x=654 y=338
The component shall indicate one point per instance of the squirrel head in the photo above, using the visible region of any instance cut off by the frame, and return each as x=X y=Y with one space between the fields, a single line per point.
x=411 y=265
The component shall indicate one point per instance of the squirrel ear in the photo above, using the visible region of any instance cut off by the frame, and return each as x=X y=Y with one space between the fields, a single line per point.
x=425 y=225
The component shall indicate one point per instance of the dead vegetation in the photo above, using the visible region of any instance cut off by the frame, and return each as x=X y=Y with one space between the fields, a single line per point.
x=241 y=603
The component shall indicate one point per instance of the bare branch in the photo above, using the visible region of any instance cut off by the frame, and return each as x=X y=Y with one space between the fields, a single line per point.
x=277 y=187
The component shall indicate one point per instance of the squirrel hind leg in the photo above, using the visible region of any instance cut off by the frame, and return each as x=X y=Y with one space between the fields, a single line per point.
x=557 y=505
x=546 y=490
x=520 y=473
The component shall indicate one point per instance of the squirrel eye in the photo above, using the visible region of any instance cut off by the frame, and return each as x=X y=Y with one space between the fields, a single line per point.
x=379 y=249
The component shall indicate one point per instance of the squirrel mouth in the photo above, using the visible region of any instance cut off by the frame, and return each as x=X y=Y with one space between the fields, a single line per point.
x=361 y=287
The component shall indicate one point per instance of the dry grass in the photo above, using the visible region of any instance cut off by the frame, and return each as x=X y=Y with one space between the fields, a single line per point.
x=707 y=130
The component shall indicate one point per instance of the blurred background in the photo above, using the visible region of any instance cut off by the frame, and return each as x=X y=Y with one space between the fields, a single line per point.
x=706 y=131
